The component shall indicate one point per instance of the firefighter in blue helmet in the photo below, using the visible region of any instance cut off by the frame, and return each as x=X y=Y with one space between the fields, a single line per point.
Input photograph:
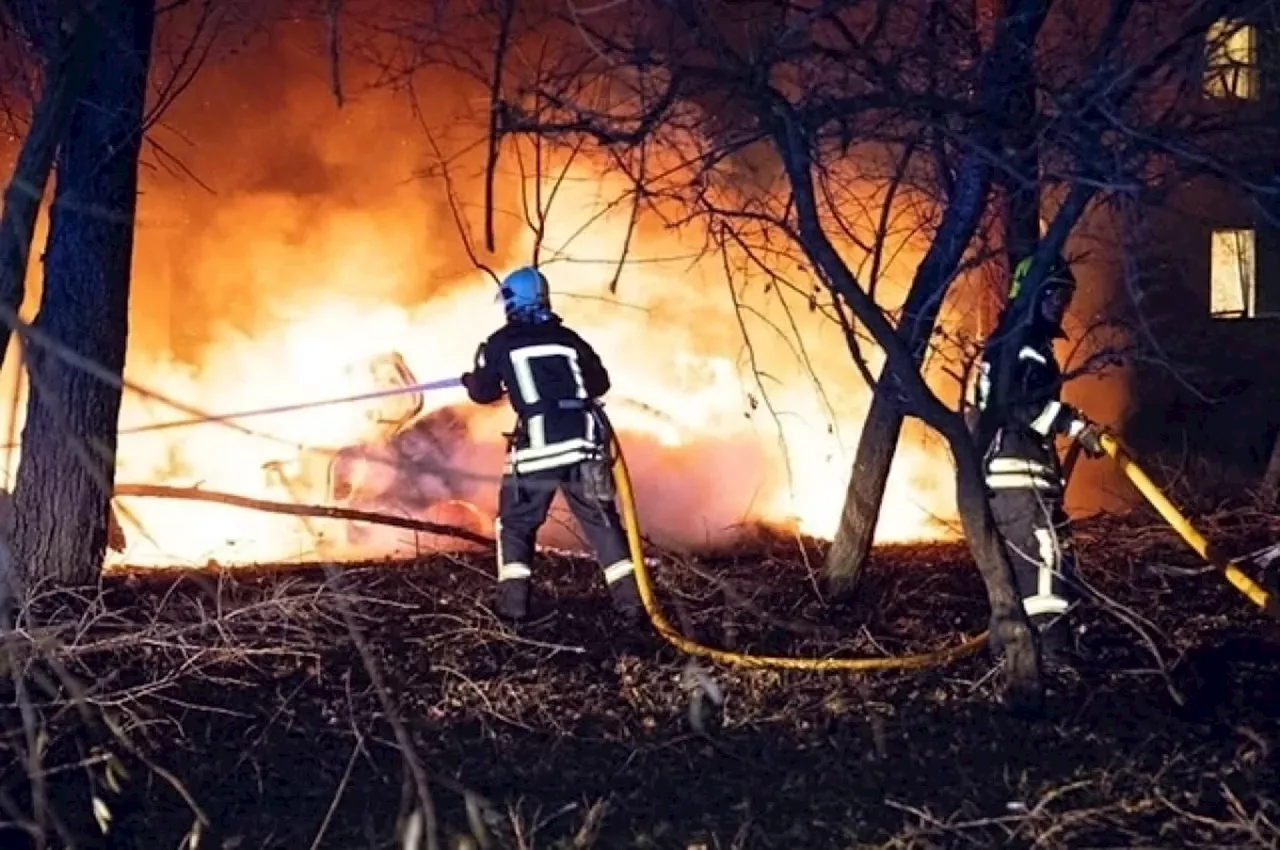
x=1020 y=413
x=552 y=379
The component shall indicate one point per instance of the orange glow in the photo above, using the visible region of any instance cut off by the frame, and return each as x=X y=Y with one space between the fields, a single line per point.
x=279 y=293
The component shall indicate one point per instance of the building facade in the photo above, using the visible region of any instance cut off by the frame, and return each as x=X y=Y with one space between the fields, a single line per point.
x=1206 y=281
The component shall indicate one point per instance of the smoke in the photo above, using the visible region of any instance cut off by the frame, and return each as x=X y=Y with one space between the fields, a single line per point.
x=308 y=240
x=327 y=240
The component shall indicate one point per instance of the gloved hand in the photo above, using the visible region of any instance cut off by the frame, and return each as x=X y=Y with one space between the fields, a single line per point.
x=1088 y=435
x=467 y=379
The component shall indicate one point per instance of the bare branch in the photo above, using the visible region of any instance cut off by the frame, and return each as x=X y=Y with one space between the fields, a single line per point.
x=495 y=128
x=332 y=17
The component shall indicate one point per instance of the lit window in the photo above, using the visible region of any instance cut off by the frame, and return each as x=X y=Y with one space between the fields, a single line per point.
x=1232 y=275
x=1231 y=63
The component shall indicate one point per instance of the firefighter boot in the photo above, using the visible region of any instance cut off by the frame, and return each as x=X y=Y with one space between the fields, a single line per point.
x=1057 y=640
x=1054 y=634
x=512 y=599
x=625 y=594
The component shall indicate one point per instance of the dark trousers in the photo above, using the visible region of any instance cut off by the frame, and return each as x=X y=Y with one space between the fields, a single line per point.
x=1037 y=538
x=523 y=503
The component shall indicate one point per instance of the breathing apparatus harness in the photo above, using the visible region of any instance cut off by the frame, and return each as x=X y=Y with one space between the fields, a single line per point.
x=597 y=476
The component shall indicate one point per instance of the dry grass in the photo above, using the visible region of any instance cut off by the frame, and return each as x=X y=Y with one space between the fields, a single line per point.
x=247 y=694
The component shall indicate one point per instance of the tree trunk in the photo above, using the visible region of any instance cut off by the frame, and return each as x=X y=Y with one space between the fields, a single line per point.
x=66 y=74
x=67 y=470
x=67 y=69
x=1021 y=180
x=1022 y=218
x=862 y=499
x=878 y=441
x=999 y=91
x=1011 y=634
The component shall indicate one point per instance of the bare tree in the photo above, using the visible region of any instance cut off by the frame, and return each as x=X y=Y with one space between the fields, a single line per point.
x=680 y=97
x=1097 y=113
x=1066 y=104
x=64 y=479
x=1001 y=102
x=95 y=62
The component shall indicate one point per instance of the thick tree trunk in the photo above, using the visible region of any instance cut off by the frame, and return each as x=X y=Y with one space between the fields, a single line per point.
x=67 y=70
x=1022 y=218
x=68 y=448
x=1021 y=181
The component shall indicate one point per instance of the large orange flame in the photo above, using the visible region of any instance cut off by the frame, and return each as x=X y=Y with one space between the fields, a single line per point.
x=319 y=255
x=712 y=446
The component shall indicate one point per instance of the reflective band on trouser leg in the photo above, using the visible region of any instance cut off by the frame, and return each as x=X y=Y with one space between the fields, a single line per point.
x=497 y=543
x=1020 y=481
x=620 y=570
x=1045 y=601
x=506 y=572
x=1019 y=465
x=1040 y=604
x=1009 y=473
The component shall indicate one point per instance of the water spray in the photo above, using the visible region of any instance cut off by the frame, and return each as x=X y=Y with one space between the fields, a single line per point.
x=430 y=386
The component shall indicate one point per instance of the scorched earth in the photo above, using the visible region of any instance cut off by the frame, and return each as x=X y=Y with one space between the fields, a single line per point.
x=250 y=690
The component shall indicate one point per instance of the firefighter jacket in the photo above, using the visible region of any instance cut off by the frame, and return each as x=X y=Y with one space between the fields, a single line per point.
x=1020 y=412
x=552 y=378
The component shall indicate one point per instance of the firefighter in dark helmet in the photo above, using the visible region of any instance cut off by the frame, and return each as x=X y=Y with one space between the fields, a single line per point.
x=1020 y=413
x=552 y=379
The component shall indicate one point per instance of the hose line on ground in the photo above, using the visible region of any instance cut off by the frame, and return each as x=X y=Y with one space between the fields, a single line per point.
x=1237 y=577
x=669 y=633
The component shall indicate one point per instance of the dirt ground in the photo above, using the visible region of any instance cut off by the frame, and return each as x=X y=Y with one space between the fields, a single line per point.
x=247 y=695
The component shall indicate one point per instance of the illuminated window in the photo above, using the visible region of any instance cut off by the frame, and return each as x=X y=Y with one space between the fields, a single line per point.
x=1232 y=274
x=1231 y=62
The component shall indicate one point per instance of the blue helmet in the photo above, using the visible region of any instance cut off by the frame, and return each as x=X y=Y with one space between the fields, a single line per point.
x=526 y=294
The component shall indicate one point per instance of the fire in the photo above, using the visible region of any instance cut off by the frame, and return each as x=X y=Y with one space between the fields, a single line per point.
x=273 y=297
x=681 y=398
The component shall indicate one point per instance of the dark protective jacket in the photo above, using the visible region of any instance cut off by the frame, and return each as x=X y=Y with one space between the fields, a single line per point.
x=551 y=377
x=1020 y=410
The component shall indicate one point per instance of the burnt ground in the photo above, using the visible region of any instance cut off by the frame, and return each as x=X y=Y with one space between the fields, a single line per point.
x=246 y=693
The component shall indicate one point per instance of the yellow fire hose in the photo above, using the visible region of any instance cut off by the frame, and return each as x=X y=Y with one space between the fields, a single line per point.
x=669 y=633
x=626 y=498
x=1239 y=580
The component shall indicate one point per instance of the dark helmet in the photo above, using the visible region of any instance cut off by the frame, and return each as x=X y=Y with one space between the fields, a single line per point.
x=1059 y=276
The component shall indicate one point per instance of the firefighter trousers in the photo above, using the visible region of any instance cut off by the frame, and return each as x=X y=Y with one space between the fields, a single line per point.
x=1037 y=538
x=523 y=504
